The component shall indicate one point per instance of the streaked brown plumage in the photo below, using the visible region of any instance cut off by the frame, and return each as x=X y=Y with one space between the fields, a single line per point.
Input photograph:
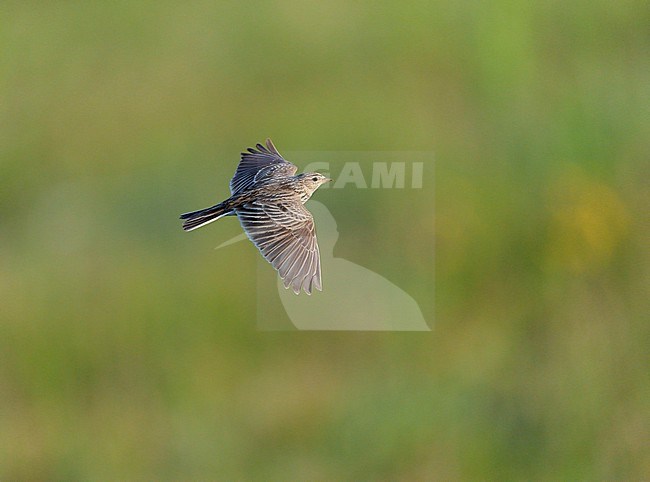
x=268 y=197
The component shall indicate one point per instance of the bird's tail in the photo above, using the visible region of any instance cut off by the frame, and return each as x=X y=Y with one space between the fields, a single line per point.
x=196 y=219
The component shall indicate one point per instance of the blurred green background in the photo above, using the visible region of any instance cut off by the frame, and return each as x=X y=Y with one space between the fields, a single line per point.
x=129 y=349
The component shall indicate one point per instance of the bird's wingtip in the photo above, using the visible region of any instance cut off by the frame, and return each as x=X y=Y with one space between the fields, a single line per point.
x=271 y=146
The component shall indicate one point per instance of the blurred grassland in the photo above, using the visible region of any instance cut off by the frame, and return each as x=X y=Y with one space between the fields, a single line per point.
x=128 y=349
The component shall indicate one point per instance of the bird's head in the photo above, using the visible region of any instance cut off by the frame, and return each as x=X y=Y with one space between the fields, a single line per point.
x=313 y=180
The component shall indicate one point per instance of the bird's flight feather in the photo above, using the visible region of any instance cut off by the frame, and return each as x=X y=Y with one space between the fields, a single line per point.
x=258 y=165
x=286 y=237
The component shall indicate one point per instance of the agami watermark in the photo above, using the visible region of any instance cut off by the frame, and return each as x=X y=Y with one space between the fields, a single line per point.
x=382 y=175
x=354 y=298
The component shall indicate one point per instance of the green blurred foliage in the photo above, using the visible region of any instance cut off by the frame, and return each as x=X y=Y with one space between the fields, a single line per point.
x=129 y=350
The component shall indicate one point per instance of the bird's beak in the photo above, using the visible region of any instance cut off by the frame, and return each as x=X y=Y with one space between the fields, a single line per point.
x=327 y=179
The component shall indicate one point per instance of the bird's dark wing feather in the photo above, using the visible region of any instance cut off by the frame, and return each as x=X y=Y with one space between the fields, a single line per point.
x=285 y=235
x=259 y=164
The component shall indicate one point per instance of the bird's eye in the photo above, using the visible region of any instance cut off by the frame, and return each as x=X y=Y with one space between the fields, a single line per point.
x=314 y=179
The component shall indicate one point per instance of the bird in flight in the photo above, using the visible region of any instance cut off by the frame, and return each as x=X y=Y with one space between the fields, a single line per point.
x=267 y=196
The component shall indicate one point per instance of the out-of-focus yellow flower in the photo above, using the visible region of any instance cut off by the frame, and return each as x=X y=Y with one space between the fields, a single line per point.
x=588 y=222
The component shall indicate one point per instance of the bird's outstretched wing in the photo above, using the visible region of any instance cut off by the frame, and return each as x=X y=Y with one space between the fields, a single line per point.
x=285 y=235
x=260 y=164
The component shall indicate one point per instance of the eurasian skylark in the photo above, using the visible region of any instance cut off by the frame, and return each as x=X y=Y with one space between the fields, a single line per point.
x=267 y=196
